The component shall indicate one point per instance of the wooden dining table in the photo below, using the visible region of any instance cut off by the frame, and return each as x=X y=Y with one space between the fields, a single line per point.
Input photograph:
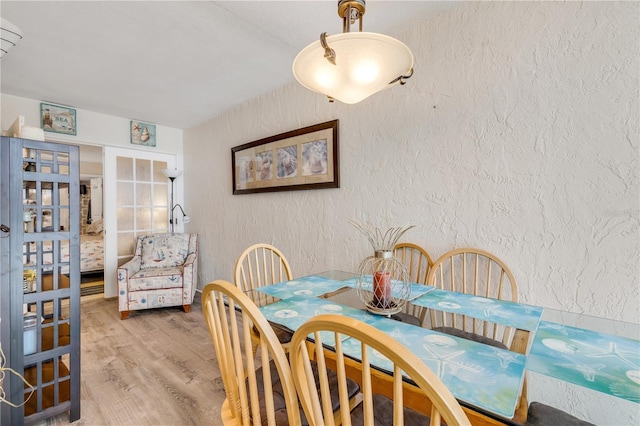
x=461 y=364
x=489 y=382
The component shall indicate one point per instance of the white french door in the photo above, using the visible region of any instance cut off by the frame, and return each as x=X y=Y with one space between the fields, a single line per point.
x=136 y=202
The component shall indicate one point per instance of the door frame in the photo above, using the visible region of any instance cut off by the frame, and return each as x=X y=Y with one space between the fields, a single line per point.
x=110 y=209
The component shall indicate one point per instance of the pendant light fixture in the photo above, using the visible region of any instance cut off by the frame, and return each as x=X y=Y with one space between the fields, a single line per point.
x=10 y=35
x=352 y=66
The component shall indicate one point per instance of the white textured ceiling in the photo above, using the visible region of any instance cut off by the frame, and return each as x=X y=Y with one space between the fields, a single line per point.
x=174 y=63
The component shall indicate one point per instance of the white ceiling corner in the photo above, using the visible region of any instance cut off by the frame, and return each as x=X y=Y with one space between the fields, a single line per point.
x=173 y=63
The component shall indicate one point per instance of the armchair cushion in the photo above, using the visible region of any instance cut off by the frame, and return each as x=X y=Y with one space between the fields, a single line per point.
x=164 y=250
x=151 y=279
x=163 y=272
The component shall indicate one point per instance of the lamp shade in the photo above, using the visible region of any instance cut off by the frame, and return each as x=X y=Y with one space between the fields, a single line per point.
x=9 y=36
x=172 y=173
x=365 y=64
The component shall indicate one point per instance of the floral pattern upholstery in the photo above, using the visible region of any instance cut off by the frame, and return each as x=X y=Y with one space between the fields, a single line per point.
x=163 y=272
x=164 y=250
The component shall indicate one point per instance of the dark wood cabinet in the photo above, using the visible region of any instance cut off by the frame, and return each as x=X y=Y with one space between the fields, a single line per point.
x=39 y=279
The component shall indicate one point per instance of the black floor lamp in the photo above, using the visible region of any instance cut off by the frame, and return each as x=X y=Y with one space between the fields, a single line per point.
x=173 y=174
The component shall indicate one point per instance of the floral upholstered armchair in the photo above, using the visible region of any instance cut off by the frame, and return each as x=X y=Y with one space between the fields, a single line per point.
x=163 y=272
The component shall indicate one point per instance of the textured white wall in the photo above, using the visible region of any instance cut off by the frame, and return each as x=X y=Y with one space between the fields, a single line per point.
x=517 y=134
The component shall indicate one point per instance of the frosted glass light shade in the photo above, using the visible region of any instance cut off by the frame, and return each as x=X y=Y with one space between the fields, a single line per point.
x=365 y=64
x=172 y=173
x=10 y=35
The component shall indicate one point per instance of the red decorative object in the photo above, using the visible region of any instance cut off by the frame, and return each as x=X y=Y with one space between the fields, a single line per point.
x=383 y=282
x=382 y=289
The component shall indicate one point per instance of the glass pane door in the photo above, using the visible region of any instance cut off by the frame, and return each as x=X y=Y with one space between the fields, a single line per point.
x=136 y=195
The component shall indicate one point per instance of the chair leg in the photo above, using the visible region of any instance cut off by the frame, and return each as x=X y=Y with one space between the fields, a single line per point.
x=187 y=308
x=124 y=315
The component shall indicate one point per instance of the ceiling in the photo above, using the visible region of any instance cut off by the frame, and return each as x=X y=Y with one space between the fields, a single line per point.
x=173 y=63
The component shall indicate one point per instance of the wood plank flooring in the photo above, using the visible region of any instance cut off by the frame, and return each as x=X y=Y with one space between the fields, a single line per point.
x=157 y=367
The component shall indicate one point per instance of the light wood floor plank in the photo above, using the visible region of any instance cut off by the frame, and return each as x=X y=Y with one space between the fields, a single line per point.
x=157 y=367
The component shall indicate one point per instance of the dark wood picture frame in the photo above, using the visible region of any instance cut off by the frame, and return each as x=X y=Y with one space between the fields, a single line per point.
x=306 y=158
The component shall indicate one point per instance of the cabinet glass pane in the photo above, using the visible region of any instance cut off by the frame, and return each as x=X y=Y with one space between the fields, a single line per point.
x=45 y=248
x=29 y=191
x=29 y=153
x=29 y=166
x=46 y=194
x=49 y=327
x=49 y=330
x=63 y=163
x=63 y=194
x=63 y=169
x=64 y=219
x=143 y=170
x=125 y=194
x=62 y=250
x=46 y=156
x=124 y=167
x=29 y=273
x=29 y=253
x=46 y=255
x=52 y=371
x=48 y=221
x=29 y=219
x=46 y=162
x=61 y=313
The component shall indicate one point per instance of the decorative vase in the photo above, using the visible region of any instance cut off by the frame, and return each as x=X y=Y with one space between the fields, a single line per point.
x=383 y=281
